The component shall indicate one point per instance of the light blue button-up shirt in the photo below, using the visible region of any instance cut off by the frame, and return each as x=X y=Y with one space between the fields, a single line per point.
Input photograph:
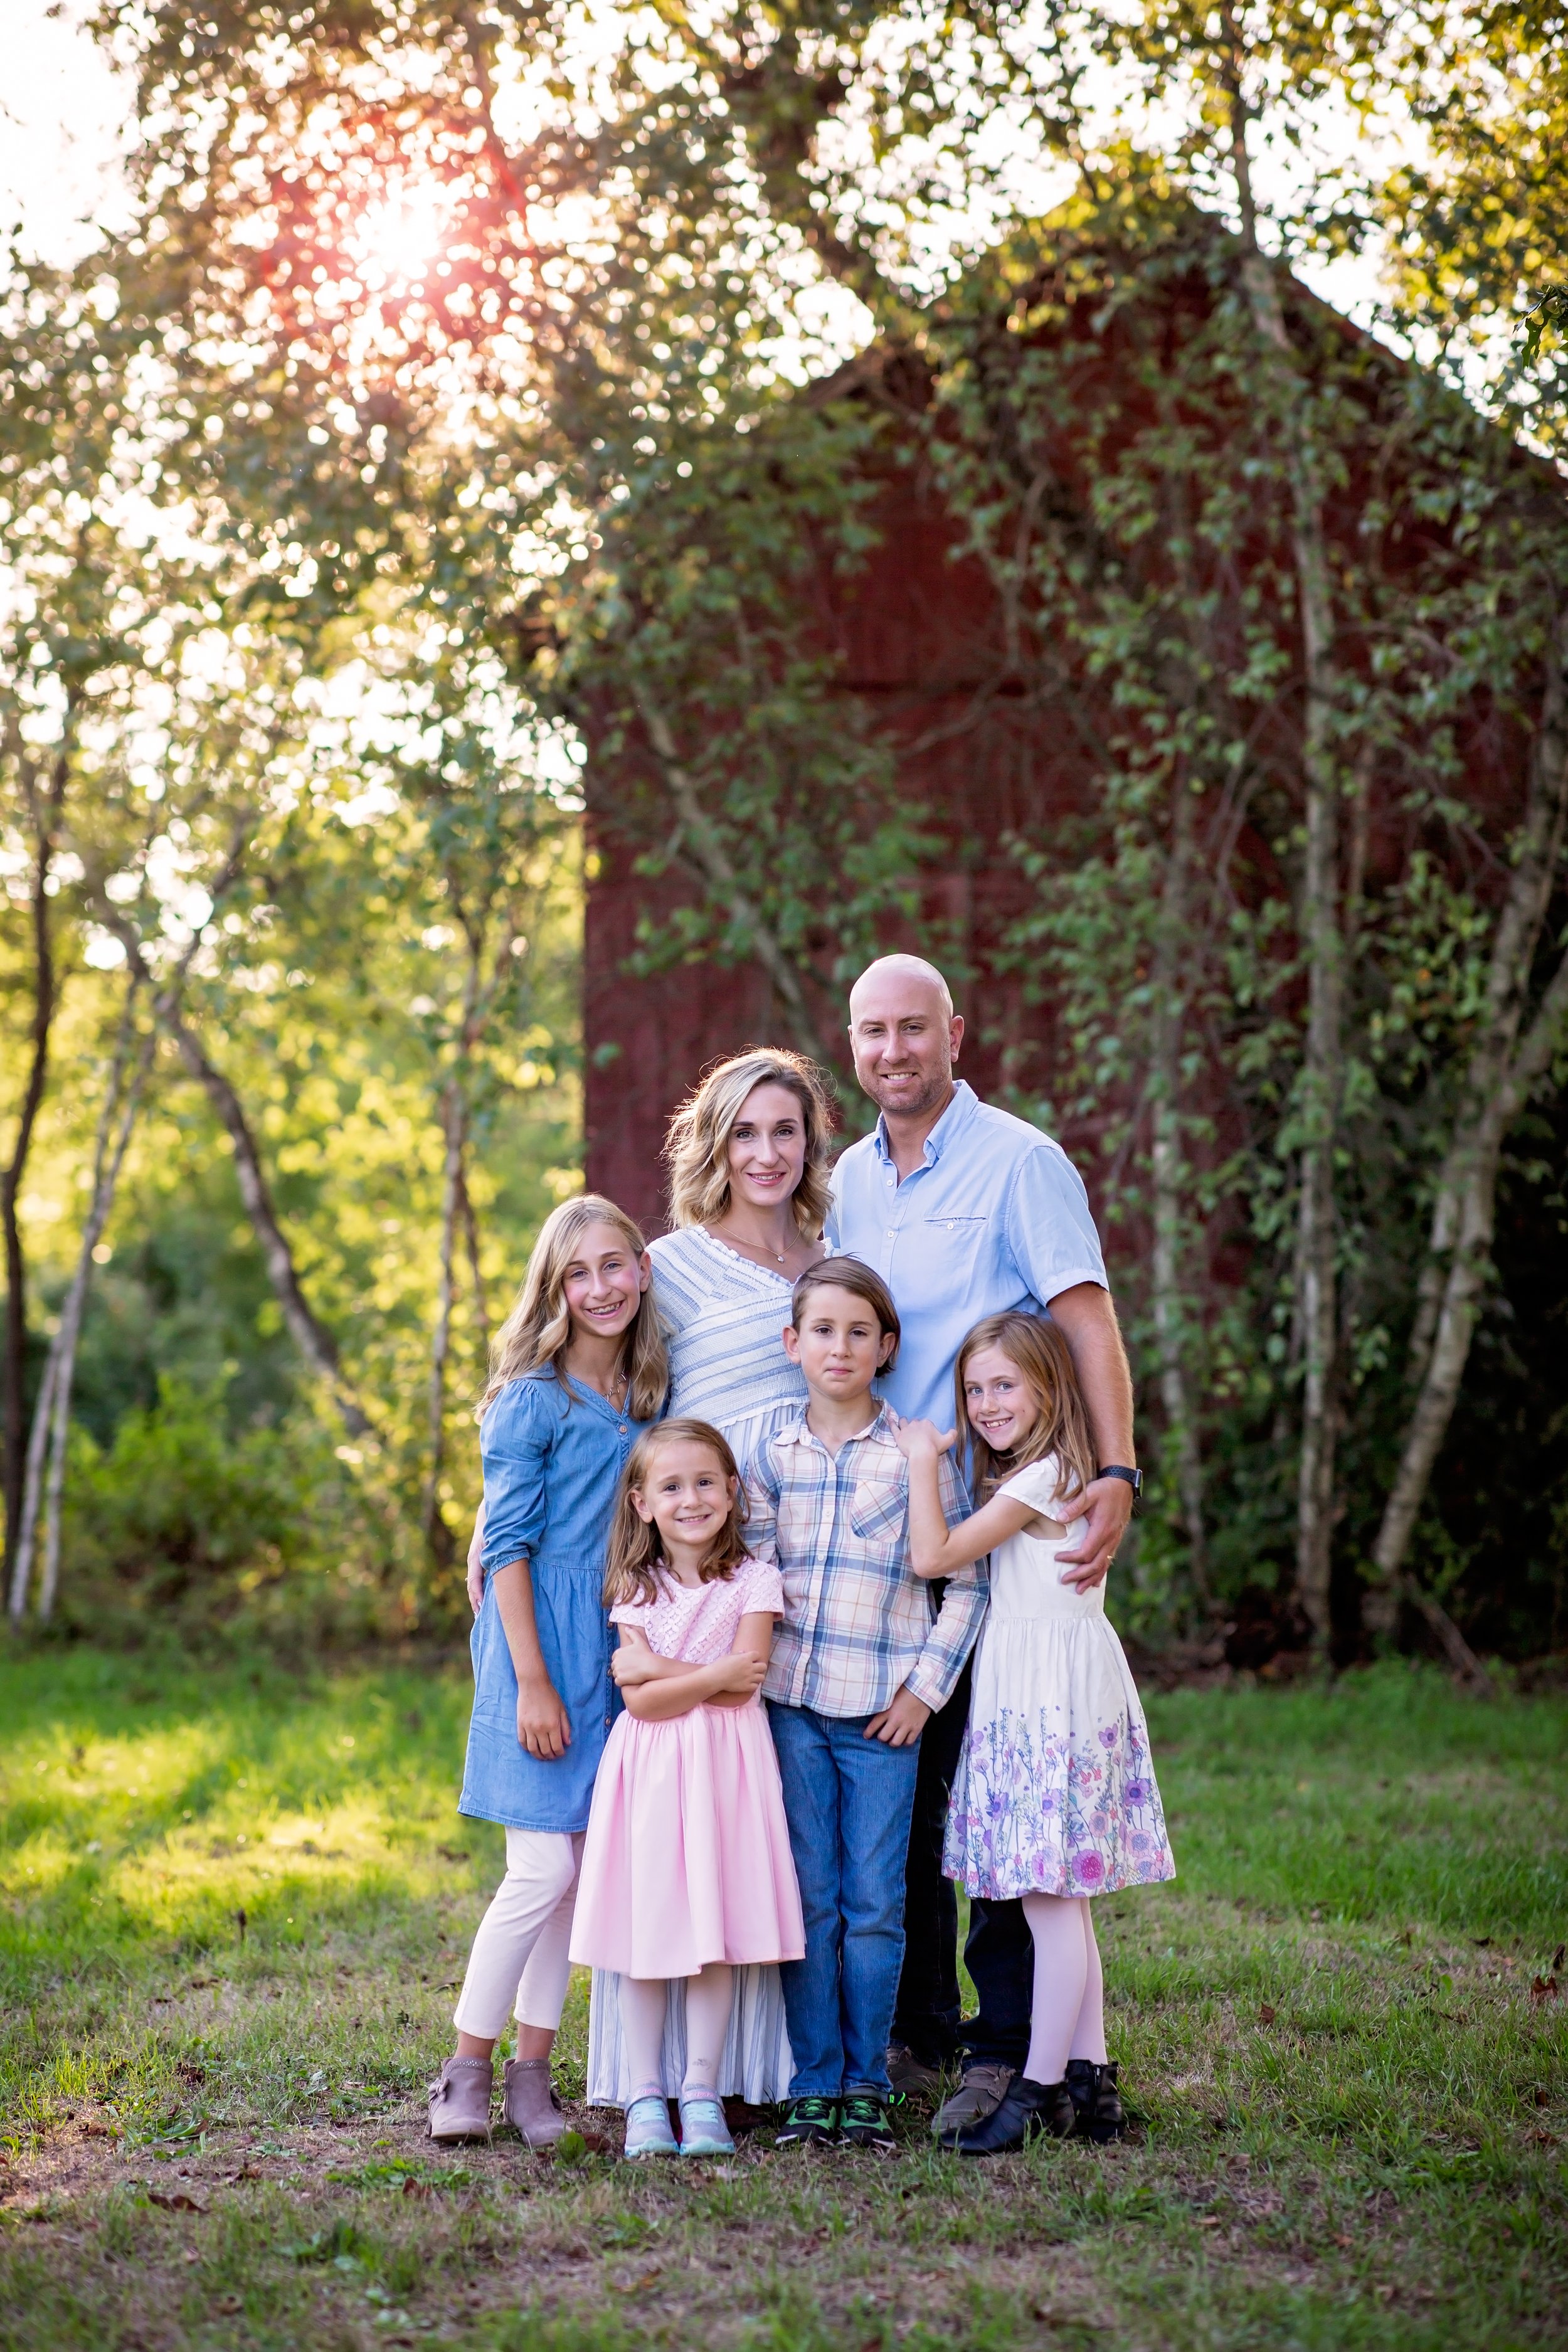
x=996 y=1217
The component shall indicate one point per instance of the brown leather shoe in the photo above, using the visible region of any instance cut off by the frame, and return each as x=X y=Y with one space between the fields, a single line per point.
x=528 y=2103
x=974 y=2102
x=460 y=2100
x=909 y=2077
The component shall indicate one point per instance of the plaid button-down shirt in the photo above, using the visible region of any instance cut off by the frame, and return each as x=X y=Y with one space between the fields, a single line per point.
x=858 y=1622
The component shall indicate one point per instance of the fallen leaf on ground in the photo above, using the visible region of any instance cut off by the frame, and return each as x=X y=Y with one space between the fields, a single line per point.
x=180 y=2202
x=416 y=2189
x=1542 y=1989
x=636 y=2285
x=1267 y=2013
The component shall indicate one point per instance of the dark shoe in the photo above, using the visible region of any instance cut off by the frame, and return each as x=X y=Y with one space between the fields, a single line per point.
x=1096 y=2103
x=979 y=2096
x=810 y=2123
x=909 y=2076
x=1029 y=2110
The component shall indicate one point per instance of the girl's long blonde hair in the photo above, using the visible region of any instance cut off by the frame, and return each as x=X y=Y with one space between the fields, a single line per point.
x=637 y=1547
x=536 y=1334
x=697 y=1144
x=1045 y=1360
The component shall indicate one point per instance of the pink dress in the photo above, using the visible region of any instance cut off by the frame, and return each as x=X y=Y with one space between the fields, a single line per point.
x=687 y=1857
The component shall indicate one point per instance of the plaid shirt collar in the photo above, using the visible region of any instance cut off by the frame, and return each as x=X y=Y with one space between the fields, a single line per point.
x=800 y=1433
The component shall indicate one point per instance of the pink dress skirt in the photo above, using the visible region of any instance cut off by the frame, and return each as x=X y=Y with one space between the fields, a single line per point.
x=687 y=1857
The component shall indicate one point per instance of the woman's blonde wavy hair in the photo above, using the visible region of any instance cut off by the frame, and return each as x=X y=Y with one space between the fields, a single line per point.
x=1037 y=1347
x=536 y=1334
x=637 y=1547
x=697 y=1144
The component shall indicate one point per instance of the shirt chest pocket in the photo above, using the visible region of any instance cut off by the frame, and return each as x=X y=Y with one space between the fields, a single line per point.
x=956 y=1233
x=877 y=1509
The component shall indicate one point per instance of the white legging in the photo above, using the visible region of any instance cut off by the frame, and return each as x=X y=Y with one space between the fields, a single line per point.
x=520 y=1947
x=643 y=2001
x=1069 y=2019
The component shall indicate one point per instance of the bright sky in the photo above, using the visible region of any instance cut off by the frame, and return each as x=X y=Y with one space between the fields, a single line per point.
x=63 y=126
x=62 y=120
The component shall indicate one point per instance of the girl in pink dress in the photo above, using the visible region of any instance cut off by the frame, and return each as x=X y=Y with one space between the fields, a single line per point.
x=686 y=1867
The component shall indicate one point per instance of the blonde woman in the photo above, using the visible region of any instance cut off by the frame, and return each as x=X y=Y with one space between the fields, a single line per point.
x=577 y=1374
x=748 y=1199
x=748 y=1196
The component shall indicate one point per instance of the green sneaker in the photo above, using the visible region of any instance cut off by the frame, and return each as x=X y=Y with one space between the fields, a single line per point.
x=810 y=2123
x=865 y=2122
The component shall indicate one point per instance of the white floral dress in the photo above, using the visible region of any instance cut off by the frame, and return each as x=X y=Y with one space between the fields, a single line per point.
x=1055 y=1793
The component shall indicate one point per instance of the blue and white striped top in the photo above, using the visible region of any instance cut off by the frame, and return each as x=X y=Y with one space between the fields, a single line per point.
x=723 y=1323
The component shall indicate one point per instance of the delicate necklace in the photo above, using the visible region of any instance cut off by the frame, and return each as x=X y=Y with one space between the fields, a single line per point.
x=756 y=1248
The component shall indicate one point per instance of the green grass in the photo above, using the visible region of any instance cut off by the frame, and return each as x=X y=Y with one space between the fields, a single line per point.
x=1350 y=2105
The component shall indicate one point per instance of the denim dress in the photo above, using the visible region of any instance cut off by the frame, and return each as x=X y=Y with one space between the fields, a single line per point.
x=552 y=1456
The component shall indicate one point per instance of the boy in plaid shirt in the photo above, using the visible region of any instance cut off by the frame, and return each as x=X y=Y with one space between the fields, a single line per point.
x=858 y=1665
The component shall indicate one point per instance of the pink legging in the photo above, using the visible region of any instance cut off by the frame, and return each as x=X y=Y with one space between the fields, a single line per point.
x=707 y=2026
x=1069 y=2019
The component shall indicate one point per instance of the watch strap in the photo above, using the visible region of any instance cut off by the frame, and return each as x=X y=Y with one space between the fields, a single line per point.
x=1135 y=1478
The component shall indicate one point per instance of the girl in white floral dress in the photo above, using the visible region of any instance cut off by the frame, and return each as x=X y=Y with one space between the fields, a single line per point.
x=1054 y=1800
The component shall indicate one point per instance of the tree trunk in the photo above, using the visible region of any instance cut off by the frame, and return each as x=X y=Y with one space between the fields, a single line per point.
x=476 y=1272
x=44 y=812
x=455 y=1125
x=312 y=1337
x=106 y=1180
x=1166 y=1169
x=1503 y=1070
x=1320 y=915
x=52 y=1410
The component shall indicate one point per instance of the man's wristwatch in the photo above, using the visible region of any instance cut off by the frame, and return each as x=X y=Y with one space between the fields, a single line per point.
x=1118 y=1470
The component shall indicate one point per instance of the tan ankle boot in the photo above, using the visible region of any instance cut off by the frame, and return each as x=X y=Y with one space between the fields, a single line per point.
x=528 y=2103
x=460 y=2100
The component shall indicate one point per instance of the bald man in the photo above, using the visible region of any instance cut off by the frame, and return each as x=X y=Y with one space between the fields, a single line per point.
x=966 y=1210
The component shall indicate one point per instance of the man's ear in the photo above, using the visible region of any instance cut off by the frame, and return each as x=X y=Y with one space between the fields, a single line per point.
x=955 y=1035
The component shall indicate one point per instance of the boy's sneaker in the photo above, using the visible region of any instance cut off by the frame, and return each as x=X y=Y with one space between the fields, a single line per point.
x=810 y=2123
x=865 y=2122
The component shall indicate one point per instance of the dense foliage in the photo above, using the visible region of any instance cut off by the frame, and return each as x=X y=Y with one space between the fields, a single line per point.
x=438 y=430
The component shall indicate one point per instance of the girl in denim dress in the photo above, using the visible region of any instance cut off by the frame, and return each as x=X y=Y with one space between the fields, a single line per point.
x=577 y=1374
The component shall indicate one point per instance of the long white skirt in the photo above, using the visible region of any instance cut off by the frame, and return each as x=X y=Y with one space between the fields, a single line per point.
x=756 y=2065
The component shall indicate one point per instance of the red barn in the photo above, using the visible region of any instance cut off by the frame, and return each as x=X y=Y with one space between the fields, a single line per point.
x=921 y=641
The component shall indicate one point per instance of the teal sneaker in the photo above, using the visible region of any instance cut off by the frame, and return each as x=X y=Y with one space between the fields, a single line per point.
x=703 y=2131
x=648 y=2128
x=810 y=2123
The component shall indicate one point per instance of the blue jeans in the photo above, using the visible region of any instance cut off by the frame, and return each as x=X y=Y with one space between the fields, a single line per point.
x=848 y=1800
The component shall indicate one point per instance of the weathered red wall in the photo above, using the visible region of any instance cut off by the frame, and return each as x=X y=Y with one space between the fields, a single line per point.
x=918 y=638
